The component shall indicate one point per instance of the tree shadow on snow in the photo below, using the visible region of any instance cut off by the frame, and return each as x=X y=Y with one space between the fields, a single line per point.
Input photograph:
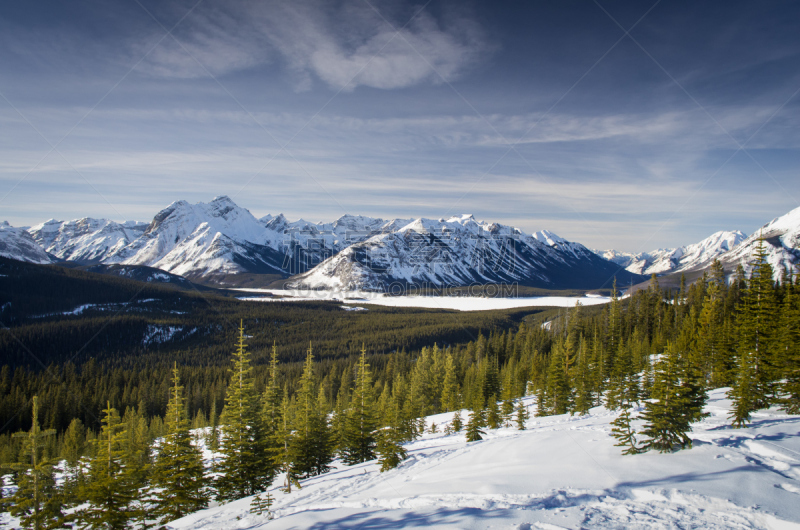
x=724 y=474
x=407 y=519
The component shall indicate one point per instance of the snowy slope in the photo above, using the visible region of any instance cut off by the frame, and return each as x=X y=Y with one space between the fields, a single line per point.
x=200 y=239
x=17 y=243
x=85 y=240
x=781 y=241
x=460 y=251
x=562 y=472
x=689 y=257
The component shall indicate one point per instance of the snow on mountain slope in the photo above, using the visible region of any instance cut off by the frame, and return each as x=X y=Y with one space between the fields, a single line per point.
x=461 y=251
x=85 y=240
x=17 y=243
x=781 y=241
x=562 y=472
x=200 y=239
x=689 y=257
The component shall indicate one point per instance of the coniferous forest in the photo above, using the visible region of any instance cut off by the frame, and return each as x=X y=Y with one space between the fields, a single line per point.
x=92 y=446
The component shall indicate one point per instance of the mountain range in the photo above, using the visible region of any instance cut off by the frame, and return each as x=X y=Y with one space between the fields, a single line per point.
x=210 y=241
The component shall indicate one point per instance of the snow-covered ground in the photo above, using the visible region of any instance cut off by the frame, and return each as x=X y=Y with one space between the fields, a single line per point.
x=562 y=472
x=460 y=303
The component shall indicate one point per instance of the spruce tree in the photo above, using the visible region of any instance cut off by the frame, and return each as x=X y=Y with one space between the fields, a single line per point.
x=668 y=413
x=178 y=475
x=558 y=393
x=282 y=442
x=111 y=488
x=458 y=423
x=271 y=415
x=449 y=398
x=789 y=348
x=73 y=447
x=493 y=416
x=37 y=501
x=756 y=374
x=361 y=420
x=241 y=471
x=623 y=431
x=522 y=415
x=312 y=444
x=474 y=424
x=390 y=448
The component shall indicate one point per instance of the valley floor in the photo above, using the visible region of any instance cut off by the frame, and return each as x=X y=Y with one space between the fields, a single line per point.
x=562 y=472
x=459 y=303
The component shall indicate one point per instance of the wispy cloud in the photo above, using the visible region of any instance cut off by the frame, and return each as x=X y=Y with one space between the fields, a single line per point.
x=343 y=44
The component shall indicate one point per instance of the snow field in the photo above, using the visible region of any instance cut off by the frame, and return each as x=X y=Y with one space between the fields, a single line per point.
x=458 y=303
x=562 y=472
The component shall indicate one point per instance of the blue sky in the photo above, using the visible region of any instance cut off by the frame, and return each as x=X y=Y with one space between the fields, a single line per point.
x=628 y=125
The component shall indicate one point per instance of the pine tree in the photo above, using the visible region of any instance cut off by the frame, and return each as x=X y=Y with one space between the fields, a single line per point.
x=582 y=379
x=474 y=424
x=212 y=439
x=312 y=444
x=282 y=441
x=755 y=380
x=789 y=347
x=361 y=421
x=37 y=501
x=241 y=471
x=261 y=504
x=624 y=432
x=493 y=417
x=111 y=488
x=449 y=397
x=178 y=480
x=559 y=393
x=522 y=415
x=668 y=413
x=271 y=416
x=73 y=447
x=390 y=448
x=458 y=423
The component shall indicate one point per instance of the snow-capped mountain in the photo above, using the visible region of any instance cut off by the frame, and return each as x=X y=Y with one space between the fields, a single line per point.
x=781 y=241
x=201 y=239
x=85 y=240
x=461 y=251
x=17 y=243
x=686 y=258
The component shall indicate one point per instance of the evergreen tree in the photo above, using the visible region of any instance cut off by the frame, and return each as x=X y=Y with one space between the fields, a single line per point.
x=73 y=447
x=241 y=471
x=271 y=416
x=458 y=423
x=558 y=393
x=624 y=432
x=282 y=441
x=111 y=488
x=755 y=380
x=361 y=421
x=449 y=398
x=789 y=347
x=312 y=444
x=390 y=448
x=522 y=415
x=178 y=480
x=493 y=417
x=261 y=504
x=474 y=424
x=668 y=413
x=582 y=379
x=37 y=501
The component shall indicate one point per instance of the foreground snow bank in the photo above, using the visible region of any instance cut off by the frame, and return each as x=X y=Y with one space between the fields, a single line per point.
x=563 y=472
